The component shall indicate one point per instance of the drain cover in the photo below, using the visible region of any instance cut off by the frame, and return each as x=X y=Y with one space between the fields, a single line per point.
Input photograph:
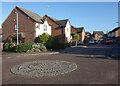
x=43 y=68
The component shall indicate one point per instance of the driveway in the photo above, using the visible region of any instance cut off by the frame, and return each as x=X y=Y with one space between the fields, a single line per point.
x=94 y=67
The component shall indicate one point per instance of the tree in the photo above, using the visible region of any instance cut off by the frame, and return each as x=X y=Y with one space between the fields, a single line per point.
x=92 y=38
x=105 y=36
x=75 y=36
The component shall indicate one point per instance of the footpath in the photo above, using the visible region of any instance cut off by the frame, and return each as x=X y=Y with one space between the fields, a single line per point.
x=116 y=52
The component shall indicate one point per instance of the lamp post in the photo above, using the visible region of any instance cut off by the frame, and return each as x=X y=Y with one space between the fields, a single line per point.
x=17 y=27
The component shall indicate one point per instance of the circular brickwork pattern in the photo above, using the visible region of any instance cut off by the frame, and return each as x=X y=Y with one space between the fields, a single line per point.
x=43 y=68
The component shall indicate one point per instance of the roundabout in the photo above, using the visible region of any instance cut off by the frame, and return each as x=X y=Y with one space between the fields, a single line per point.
x=43 y=68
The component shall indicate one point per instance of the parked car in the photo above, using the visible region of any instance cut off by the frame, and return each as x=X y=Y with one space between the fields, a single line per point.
x=109 y=41
x=96 y=41
x=93 y=41
x=78 y=43
x=103 y=41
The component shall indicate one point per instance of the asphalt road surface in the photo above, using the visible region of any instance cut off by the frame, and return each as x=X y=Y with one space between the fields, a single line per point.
x=94 y=67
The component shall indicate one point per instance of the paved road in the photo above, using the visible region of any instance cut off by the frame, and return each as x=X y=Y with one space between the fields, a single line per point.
x=92 y=62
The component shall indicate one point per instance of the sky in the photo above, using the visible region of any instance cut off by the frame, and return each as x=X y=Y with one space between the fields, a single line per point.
x=93 y=16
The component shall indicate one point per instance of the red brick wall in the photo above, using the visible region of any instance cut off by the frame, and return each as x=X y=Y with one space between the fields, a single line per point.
x=117 y=33
x=27 y=26
x=73 y=30
x=97 y=37
x=80 y=34
x=0 y=31
x=1 y=46
x=59 y=33
x=56 y=32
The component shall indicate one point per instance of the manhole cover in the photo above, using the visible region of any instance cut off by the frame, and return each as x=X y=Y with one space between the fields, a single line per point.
x=44 y=68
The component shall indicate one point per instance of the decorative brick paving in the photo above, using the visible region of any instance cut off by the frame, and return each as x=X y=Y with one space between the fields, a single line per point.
x=43 y=68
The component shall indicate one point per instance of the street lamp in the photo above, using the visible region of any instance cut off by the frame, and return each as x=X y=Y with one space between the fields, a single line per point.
x=17 y=26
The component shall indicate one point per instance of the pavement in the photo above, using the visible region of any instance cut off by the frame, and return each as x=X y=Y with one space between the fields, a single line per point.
x=94 y=67
x=115 y=54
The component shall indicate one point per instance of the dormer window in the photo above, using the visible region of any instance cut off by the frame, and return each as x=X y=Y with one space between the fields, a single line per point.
x=44 y=28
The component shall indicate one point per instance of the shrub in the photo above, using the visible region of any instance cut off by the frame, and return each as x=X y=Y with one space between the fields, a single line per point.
x=9 y=46
x=10 y=39
x=6 y=46
x=49 y=43
x=62 y=45
x=42 y=38
x=69 y=44
x=24 y=47
x=57 y=44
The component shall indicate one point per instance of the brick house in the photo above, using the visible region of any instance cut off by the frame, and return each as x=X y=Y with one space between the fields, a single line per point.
x=80 y=31
x=87 y=37
x=88 y=34
x=60 y=28
x=29 y=23
x=115 y=34
x=0 y=34
x=1 y=39
x=98 y=35
x=32 y=25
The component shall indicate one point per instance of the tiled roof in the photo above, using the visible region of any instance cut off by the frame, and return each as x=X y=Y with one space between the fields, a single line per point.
x=32 y=15
x=62 y=22
x=59 y=22
x=51 y=18
x=87 y=33
x=98 y=32
x=116 y=29
x=80 y=29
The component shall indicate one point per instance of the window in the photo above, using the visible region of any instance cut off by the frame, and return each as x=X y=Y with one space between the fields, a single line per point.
x=44 y=28
x=67 y=29
x=16 y=27
x=88 y=36
x=96 y=35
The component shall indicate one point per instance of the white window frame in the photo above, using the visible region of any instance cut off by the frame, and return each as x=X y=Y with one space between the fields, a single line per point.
x=15 y=26
x=44 y=27
x=67 y=29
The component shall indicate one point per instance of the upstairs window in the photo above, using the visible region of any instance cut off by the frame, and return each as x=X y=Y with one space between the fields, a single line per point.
x=44 y=28
x=67 y=29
